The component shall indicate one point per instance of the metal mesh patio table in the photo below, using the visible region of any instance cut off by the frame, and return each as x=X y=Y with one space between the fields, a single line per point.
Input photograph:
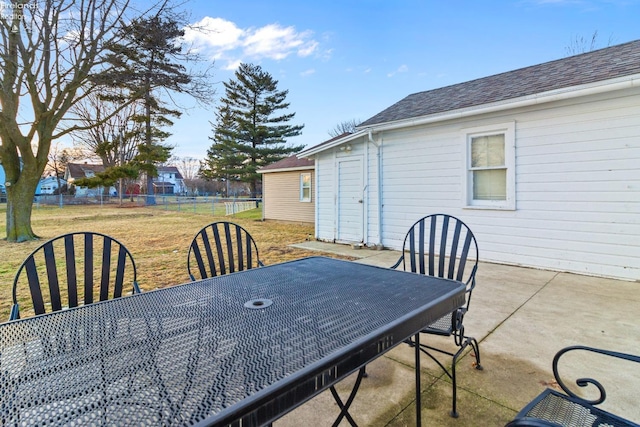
x=244 y=348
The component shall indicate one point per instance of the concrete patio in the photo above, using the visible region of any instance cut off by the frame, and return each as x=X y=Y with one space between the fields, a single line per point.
x=521 y=317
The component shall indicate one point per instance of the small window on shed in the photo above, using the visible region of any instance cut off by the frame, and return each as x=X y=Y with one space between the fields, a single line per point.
x=305 y=187
x=490 y=165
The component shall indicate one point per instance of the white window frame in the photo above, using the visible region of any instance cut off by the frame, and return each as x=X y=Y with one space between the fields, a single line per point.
x=304 y=199
x=508 y=130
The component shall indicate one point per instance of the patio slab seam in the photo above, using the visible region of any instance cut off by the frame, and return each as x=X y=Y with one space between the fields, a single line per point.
x=517 y=309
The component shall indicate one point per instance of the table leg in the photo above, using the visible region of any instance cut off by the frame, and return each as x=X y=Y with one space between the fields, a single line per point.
x=418 y=393
x=344 y=407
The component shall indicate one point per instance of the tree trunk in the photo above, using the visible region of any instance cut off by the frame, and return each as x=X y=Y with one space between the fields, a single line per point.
x=151 y=196
x=19 y=207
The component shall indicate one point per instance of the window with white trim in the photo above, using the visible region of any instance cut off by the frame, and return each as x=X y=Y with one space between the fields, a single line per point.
x=490 y=167
x=305 y=187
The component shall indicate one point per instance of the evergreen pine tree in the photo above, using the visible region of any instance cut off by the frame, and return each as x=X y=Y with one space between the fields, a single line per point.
x=251 y=128
x=145 y=60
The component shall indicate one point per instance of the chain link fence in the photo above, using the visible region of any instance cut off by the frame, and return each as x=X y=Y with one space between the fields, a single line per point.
x=217 y=206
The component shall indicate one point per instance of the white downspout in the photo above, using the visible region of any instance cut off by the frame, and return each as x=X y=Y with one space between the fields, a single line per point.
x=316 y=213
x=379 y=161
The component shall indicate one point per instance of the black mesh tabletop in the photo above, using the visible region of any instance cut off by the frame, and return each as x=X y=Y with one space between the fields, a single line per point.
x=246 y=347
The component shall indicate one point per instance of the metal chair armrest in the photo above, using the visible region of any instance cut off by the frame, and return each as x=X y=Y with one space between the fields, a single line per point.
x=584 y=382
x=531 y=422
x=394 y=266
x=15 y=312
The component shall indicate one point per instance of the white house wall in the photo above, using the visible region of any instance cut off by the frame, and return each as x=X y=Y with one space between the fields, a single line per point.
x=577 y=185
x=327 y=190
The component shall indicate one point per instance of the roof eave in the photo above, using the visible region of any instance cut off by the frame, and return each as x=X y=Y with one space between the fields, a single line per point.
x=322 y=147
x=620 y=83
x=291 y=169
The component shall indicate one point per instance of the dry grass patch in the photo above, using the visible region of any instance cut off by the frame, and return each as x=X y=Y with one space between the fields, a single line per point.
x=158 y=240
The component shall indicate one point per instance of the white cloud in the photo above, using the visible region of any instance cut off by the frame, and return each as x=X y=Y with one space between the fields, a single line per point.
x=308 y=49
x=308 y=72
x=233 y=65
x=401 y=69
x=215 y=33
x=222 y=40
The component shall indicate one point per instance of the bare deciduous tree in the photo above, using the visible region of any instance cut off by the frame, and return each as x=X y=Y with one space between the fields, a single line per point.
x=49 y=50
x=582 y=45
x=189 y=168
x=59 y=157
x=347 y=126
x=114 y=140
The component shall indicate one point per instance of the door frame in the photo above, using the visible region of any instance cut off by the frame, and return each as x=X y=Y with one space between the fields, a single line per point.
x=361 y=190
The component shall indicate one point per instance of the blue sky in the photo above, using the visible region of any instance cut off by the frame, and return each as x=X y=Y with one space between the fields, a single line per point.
x=344 y=60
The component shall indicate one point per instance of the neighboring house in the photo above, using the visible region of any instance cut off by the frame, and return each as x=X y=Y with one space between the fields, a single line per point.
x=84 y=170
x=169 y=181
x=3 y=191
x=3 y=179
x=3 y=183
x=48 y=185
x=543 y=164
x=287 y=190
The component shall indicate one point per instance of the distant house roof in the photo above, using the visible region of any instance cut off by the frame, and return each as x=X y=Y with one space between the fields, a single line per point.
x=591 y=67
x=170 y=169
x=55 y=179
x=79 y=170
x=288 y=163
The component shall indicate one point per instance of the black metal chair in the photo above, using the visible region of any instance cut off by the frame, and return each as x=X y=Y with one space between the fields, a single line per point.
x=74 y=259
x=443 y=246
x=555 y=409
x=219 y=248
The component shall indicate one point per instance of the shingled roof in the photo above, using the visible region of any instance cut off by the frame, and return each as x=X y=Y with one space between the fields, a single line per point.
x=599 y=65
x=79 y=170
x=291 y=162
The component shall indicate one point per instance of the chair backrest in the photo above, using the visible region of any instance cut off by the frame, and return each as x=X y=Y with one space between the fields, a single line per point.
x=441 y=245
x=62 y=273
x=219 y=248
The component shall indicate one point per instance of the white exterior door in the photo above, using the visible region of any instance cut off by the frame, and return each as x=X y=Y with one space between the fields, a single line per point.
x=350 y=203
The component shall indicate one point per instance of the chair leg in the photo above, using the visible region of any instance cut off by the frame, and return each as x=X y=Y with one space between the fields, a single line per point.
x=476 y=350
x=464 y=343
x=454 y=410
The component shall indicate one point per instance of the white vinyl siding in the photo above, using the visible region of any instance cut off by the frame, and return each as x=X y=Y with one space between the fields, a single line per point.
x=576 y=183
